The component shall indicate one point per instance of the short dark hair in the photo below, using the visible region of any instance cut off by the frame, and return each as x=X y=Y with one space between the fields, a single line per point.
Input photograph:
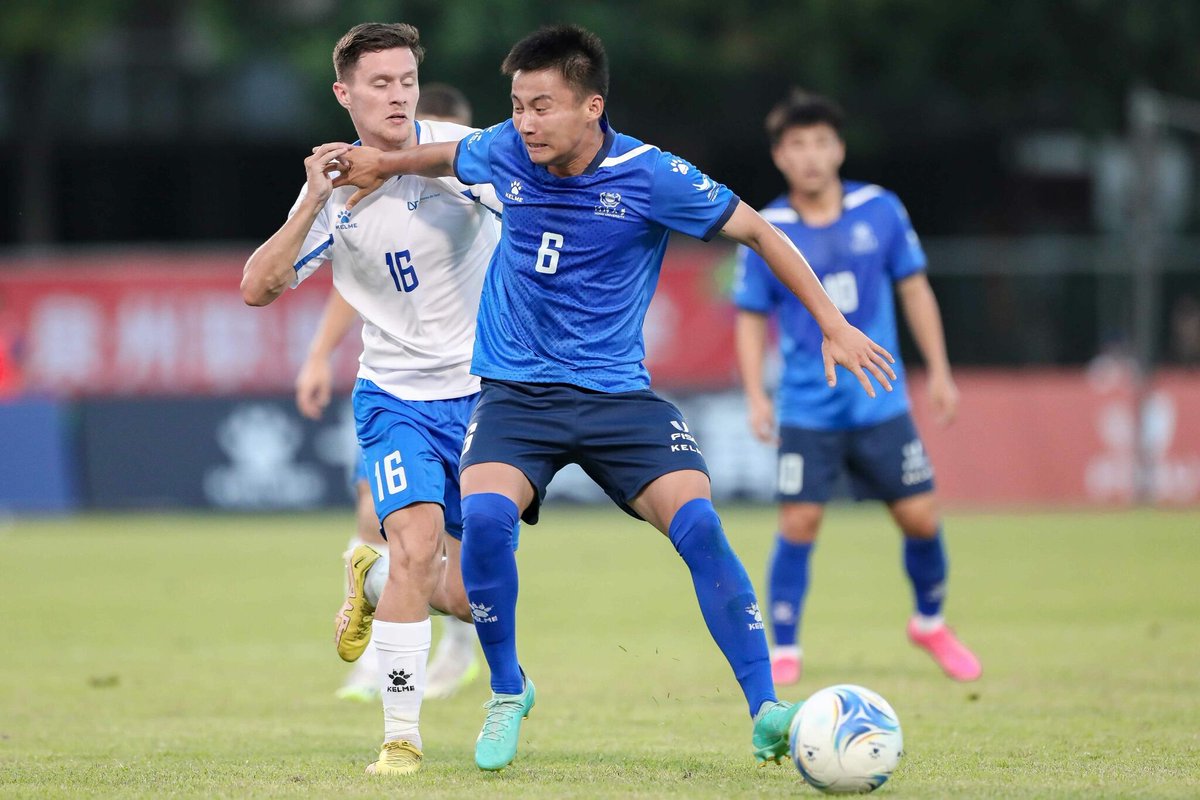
x=443 y=100
x=801 y=109
x=577 y=54
x=373 y=37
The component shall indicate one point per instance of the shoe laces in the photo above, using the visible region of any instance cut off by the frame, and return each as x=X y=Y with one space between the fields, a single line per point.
x=399 y=750
x=501 y=712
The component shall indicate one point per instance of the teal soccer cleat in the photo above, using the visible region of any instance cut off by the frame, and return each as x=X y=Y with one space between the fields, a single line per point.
x=771 y=727
x=496 y=746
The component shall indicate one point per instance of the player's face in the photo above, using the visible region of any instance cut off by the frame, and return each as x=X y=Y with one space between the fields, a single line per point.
x=809 y=157
x=557 y=126
x=381 y=94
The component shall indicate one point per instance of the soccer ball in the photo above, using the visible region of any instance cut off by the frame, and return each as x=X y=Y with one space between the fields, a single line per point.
x=846 y=740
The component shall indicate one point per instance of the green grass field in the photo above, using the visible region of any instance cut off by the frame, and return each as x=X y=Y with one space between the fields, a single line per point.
x=157 y=656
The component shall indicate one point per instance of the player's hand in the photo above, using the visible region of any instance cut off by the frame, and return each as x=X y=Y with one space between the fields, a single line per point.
x=761 y=415
x=314 y=386
x=943 y=396
x=359 y=166
x=317 y=168
x=852 y=349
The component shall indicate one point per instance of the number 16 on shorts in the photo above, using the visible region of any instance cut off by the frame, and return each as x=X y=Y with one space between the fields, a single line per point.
x=389 y=475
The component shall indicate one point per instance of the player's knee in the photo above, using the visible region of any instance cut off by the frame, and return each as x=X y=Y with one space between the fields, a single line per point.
x=414 y=541
x=799 y=523
x=488 y=522
x=696 y=528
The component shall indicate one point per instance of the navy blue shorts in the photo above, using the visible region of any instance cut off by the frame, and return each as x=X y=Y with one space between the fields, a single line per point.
x=622 y=440
x=885 y=462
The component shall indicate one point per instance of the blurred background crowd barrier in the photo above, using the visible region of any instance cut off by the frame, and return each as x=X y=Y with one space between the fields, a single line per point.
x=149 y=146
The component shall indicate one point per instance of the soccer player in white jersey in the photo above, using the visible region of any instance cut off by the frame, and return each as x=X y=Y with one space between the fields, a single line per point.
x=453 y=663
x=587 y=212
x=410 y=261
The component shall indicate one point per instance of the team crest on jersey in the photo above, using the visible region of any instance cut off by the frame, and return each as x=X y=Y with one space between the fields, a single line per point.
x=514 y=192
x=610 y=206
x=343 y=220
x=862 y=239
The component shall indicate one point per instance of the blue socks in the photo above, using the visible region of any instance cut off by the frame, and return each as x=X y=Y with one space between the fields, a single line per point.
x=490 y=575
x=787 y=583
x=726 y=598
x=925 y=562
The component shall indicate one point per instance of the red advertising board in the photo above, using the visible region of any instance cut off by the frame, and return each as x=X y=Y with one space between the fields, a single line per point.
x=175 y=324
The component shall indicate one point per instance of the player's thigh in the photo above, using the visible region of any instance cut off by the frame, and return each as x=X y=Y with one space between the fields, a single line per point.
x=808 y=465
x=666 y=494
x=517 y=439
x=888 y=462
x=640 y=450
x=799 y=523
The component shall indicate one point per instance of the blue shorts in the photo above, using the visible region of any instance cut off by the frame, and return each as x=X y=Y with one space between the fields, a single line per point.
x=622 y=440
x=411 y=450
x=885 y=462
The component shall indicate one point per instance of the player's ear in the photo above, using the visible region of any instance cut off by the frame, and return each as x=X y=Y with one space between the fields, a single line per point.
x=342 y=94
x=595 y=107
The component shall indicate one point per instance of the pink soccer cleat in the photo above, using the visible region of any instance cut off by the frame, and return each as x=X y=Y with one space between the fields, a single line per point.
x=785 y=668
x=955 y=659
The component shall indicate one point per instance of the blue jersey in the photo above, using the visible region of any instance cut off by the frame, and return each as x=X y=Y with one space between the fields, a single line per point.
x=568 y=286
x=858 y=258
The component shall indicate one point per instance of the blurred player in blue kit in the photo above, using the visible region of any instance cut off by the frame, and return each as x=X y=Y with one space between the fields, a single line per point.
x=453 y=663
x=559 y=346
x=861 y=244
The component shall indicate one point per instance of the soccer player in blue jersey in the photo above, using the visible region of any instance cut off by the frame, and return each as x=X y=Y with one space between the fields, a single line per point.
x=559 y=347
x=860 y=243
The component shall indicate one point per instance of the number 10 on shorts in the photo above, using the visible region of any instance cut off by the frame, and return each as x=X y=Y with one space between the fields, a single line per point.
x=389 y=475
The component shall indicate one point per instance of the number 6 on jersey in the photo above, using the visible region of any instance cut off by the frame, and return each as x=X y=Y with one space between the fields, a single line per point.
x=547 y=256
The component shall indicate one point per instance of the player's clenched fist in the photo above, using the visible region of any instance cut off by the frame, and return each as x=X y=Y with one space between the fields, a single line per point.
x=317 y=168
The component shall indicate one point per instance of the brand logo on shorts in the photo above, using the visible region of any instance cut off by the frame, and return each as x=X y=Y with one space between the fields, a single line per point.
x=915 y=467
x=682 y=440
x=482 y=613
x=756 y=615
x=400 y=681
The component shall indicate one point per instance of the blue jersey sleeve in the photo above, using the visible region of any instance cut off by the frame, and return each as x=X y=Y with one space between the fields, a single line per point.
x=473 y=158
x=684 y=199
x=905 y=255
x=753 y=283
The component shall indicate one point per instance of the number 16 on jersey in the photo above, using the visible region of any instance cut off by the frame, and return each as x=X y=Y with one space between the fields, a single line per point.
x=404 y=274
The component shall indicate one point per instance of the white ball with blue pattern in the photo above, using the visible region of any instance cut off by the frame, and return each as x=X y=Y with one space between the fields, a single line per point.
x=846 y=740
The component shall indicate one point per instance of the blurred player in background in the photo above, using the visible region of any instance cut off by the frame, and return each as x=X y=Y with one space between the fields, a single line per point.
x=453 y=663
x=560 y=348
x=411 y=264
x=860 y=243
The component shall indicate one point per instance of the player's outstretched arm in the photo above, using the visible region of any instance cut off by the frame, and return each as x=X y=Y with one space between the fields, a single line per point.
x=271 y=268
x=368 y=168
x=314 y=382
x=844 y=344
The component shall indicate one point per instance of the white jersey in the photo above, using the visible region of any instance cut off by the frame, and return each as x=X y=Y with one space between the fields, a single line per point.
x=410 y=259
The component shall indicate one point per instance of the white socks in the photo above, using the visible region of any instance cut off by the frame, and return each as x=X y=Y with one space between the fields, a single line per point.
x=925 y=624
x=403 y=649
